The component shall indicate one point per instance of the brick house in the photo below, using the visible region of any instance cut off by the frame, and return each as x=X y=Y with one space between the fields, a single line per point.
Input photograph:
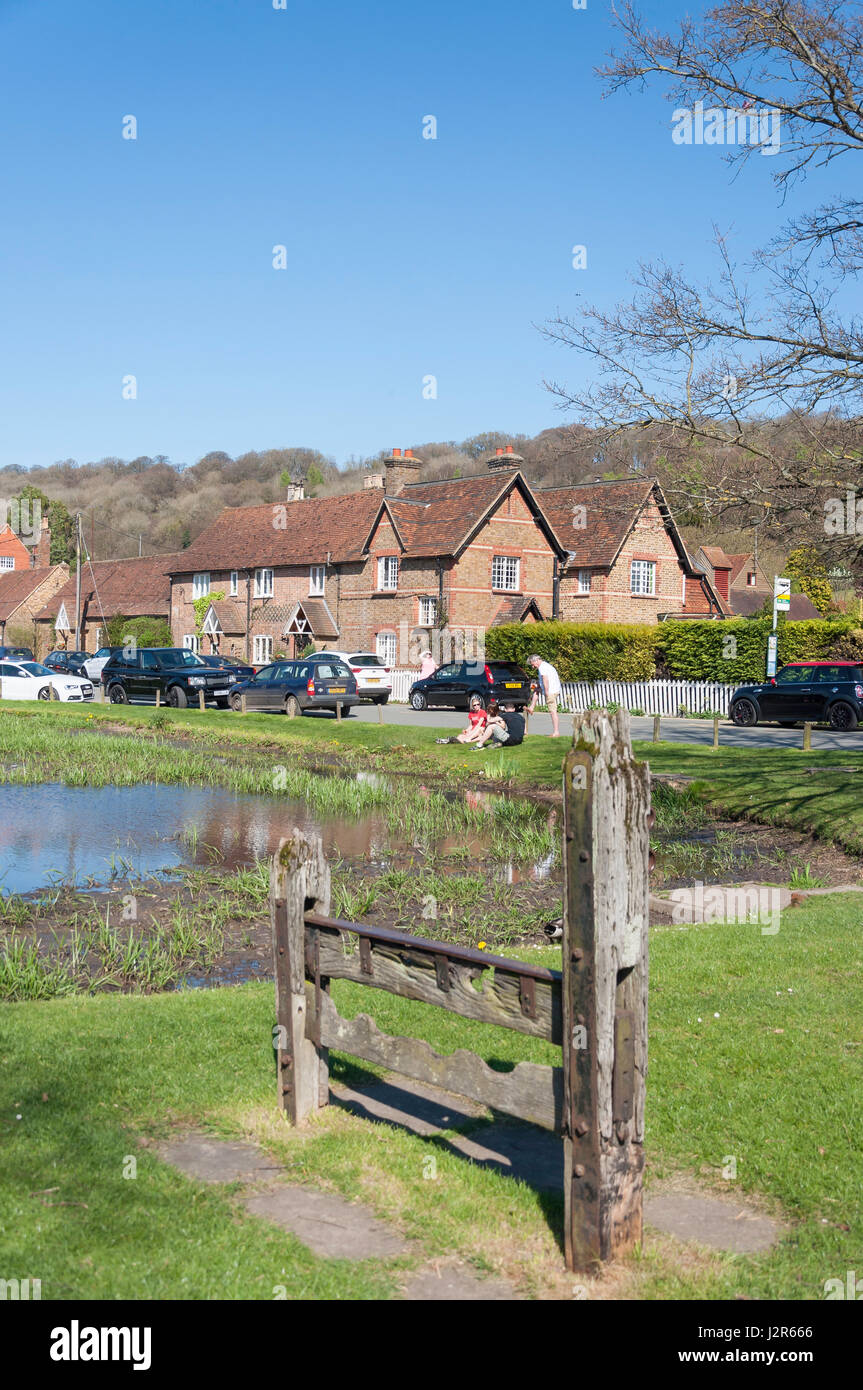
x=16 y=555
x=384 y=569
x=137 y=588
x=23 y=593
x=626 y=561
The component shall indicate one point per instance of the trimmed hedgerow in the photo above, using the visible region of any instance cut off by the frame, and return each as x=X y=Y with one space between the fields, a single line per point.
x=730 y=651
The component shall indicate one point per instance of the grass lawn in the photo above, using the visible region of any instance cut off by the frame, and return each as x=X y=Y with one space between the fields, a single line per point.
x=774 y=1081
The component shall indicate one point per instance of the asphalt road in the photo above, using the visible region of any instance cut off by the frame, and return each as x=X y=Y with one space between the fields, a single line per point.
x=672 y=730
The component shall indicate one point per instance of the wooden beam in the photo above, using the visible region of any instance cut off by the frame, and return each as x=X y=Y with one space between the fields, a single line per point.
x=487 y=995
x=299 y=881
x=530 y=1092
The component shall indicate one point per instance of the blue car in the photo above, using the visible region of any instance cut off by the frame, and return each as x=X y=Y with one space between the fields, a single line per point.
x=293 y=687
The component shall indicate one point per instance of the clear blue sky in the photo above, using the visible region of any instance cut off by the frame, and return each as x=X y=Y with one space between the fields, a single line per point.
x=406 y=256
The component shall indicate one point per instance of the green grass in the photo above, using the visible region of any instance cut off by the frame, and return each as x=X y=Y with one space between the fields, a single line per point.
x=774 y=1081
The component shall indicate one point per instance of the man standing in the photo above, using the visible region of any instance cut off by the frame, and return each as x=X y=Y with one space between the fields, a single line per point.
x=550 y=687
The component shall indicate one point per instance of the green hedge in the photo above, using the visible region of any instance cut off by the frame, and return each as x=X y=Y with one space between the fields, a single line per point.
x=730 y=651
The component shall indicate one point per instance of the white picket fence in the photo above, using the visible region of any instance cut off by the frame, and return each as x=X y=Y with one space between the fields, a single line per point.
x=653 y=697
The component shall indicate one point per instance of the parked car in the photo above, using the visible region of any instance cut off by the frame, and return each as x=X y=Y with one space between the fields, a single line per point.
x=16 y=654
x=237 y=670
x=293 y=687
x=30 y=680
x=373 y=676
x=72 y=662
x=176 y=672
x=816 y=691
x=453 y=684
x=94 y=665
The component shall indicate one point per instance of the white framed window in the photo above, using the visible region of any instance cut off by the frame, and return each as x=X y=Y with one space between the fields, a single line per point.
x=428 y=612
x=263 y=583
x=7 y=562
x=751 y=579
x=388 y=572
x=262 y=650
x=584 y=581
x=191 y=641
x=97 y=637
x=317 y=581
x=642 y=577
x=234 y=586
x=504 y=572
x=386 y=648
x=201 y=584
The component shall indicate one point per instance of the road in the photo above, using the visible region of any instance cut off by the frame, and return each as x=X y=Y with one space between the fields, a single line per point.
x=672 y=730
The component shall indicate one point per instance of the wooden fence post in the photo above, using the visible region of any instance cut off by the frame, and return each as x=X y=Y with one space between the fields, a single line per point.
x=243 y=703
x=716 y=731
x=202 y=704
x=606 y=800
x=380 y=713
x=807 y=737
x=299 y=883
x=338 y=711
x=158 y=697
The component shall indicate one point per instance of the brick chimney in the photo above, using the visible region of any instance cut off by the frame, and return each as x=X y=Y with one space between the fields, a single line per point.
x=504 y=458
x=42 y=554
x=295 y=491
x=400 y=471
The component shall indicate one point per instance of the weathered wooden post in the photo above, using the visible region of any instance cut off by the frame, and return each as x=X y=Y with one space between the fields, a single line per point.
x=606 y=800
x=380 y=713
x=338 y=711
x=716 y=731
x=299 y=883
x=807 y=737
x=656 y=722
x=158 y=697
x=202 y=704
x=243 y=703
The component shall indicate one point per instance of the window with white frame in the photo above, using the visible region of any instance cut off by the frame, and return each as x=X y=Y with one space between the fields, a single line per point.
x=584 y=581
x=234 y=587
x=751 y=579
x=428 y=612
x=191 y=641
x=7 y=562
x=97 y=637
x=642 y=577
x=504 y=572
x=317 y=581
x=201 y=585
x=388 y=572
x=262 y=650
x=386 y=648
x=263 y=583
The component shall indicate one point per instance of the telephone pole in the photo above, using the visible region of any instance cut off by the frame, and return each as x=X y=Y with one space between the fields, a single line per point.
x=77 y=581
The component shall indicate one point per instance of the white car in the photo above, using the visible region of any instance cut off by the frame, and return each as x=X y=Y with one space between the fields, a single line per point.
x=374 y=679
x=92 y=667
x=29 y=680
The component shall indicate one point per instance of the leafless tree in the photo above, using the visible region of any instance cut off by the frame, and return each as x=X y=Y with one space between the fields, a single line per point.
x=754 y=381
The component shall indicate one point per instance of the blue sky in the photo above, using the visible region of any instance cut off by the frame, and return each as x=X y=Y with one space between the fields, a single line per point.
x=405 y=257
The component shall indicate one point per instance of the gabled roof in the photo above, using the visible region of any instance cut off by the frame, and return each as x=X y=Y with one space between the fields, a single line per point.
x=611 y=510
x=289 y=533
x=515 y=610
x=442 y=518
x=117 y=588
x=16 y=586
x=716 y=557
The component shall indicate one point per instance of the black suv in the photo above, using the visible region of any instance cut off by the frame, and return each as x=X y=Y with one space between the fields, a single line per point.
x=816 y=691
x=292 y=687
x=176 y=672
x=453 y=684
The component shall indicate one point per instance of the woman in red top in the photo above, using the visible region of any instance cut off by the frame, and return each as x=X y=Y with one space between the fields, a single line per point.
x=476 y=722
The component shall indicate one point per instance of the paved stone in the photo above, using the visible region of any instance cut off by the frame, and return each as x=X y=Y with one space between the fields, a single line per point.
x=454 y=1283
x=711 y=1221
x=422 y=1109
x=328 y=1224
x=216 y=1160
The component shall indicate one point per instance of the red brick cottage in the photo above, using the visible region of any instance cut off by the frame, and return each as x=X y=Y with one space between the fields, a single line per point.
x=384 y=569
x=626 y=561
x=136 y=588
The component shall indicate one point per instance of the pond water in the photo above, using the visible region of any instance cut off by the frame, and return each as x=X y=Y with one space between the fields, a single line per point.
x=51 y=833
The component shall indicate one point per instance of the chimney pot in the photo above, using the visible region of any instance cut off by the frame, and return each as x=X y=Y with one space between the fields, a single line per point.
x=509 y=448
x=409 y=453
x=498 y=452
x=397 y=453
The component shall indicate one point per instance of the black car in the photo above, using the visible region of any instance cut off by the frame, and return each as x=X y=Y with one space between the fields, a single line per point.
x=453 y=684
x=240 y=670
x=72 y=662
x=176 y=672
x=16 y=654
x=292 y=687
x=816 y=691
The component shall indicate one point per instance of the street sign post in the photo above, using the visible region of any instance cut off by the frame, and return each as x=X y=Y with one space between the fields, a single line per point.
x=772 y=643
x=781 y=596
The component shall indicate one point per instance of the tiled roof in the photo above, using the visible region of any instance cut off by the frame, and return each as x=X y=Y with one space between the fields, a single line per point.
x=715 y=556
x=230 y=615
x=320 y=618
x=513 y=610
x=610 y=512
x=248 y=537
x=437 y=518
x=16 y=586
x=117 y=588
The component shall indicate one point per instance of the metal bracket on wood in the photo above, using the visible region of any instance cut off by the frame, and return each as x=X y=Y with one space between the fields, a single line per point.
x=366 y=956
x=527 y=997
x=441 y=965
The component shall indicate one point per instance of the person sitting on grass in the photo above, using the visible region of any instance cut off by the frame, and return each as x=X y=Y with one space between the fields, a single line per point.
x=504 y=726
x=476 y=722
